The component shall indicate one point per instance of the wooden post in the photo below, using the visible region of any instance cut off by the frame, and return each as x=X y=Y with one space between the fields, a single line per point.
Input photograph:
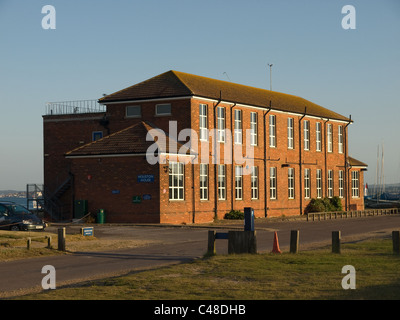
x=335 y=241
x=61 y=239
x=211 y=242
x=242 y=242
x=49 y=242
x=28 y=243
x=396 y=242
x=294 y=241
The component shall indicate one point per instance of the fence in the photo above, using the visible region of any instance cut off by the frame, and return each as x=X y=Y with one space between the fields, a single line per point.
x=350 y=214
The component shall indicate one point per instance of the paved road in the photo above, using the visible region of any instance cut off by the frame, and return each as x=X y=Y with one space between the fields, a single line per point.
x=178 y=245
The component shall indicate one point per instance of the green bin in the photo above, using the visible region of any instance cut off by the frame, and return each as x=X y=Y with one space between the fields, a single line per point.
x=101 y=216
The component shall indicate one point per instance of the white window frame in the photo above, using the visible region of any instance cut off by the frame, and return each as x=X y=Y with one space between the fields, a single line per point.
x=330 y=183
x=306 y=125
x=238 y=126
x=203 y=122
x=176 y=186
x=341 y=184
x=355 y=184
x=319 y=183
x=203 y=181
x=221 y=181
x=329 y=136
x=290 y=133
x=272 y=131
x=254 y=183
x=272 y=183
x=163 y=113
x=253 y=128
x=318 y=136
x=291 y=180
x=340 y=139
x=307 y=184
x=238 y=182
x=221 y=124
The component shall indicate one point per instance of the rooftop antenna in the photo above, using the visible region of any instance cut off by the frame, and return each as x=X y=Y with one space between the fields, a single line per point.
x=227 y=76
x=270 y=75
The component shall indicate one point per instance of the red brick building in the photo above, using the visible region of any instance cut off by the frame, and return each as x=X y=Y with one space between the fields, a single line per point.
x=275 y=153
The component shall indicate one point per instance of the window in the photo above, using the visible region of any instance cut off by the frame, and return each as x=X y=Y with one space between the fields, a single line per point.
x=355 y=184
x=253 y=129
x=176 y=174
x=221 y=182
x=133 y=112
x=307 y=184
x=272 y=131
x=96 y=135
x=318 y=136
x=203 y=181
x=254 y=183
x=221 y=124
x=340 y=138
x=341 y=184
x=319 y=183
x=238 y=182
x=330 y=183
x=329 y=137
x=290 y=133
x=203 y=122
x=272 y=183
x=306 y=135
x=238 y=127
x=291 y=183
x=163 y=109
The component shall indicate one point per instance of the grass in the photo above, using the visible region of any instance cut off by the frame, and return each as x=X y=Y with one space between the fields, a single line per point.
x=311 y=275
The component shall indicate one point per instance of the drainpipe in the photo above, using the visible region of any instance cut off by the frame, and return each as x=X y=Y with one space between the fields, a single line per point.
x=300 y=164
x=326 y=165
x=215 y=165
x=193 y=192
x=346 y=174
x=232 y=165
x=265 y=162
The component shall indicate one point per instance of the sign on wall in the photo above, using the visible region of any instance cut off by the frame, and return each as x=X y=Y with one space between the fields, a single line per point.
x=145 y=178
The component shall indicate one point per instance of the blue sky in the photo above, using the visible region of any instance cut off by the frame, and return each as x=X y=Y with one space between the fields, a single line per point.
x=103 y=46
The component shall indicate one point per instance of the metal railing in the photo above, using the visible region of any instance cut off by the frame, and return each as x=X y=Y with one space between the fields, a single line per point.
x=350 y=214
x=74 y=107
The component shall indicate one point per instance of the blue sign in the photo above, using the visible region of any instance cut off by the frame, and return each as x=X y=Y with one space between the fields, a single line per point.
x=115 y=191
x=146 y=197
x=88 y=231
x=145 y=178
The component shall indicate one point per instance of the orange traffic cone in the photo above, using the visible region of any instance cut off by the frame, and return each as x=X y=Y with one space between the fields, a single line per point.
x=275 y=248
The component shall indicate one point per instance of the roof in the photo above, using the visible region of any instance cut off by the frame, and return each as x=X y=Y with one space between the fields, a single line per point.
x=356 y=163
x=179 y=84
x=130 y=141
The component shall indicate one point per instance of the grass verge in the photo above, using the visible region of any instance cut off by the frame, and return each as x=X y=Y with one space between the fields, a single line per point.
x=311 y=275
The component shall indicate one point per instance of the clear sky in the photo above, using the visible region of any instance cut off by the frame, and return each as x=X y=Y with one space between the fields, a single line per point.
x=103 y=46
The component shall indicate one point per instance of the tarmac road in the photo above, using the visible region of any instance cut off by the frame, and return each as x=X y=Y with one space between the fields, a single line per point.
x=179 y=244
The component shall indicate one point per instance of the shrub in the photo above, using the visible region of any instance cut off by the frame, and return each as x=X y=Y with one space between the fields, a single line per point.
x=324 y=205
x=234 y=215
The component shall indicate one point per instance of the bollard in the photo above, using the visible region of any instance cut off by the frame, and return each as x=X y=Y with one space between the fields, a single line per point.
x=396 y=242
x=49 y=242
x=61 y=239
x=335 y=241
x=28 y=243
x=211 y=243
x=294 y=241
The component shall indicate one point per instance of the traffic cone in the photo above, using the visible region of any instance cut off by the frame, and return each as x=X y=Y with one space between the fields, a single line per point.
x=275 y=248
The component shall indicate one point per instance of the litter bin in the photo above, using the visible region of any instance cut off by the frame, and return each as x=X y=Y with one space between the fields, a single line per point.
x=101 y=216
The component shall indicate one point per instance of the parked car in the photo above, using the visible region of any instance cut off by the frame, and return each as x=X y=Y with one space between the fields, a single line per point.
x=16 y=217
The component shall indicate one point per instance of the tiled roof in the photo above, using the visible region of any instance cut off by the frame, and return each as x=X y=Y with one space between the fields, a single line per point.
x=131 y=140
x=177 y=84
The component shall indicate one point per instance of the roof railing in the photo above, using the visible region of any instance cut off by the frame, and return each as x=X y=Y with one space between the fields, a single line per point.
x=74 y=107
